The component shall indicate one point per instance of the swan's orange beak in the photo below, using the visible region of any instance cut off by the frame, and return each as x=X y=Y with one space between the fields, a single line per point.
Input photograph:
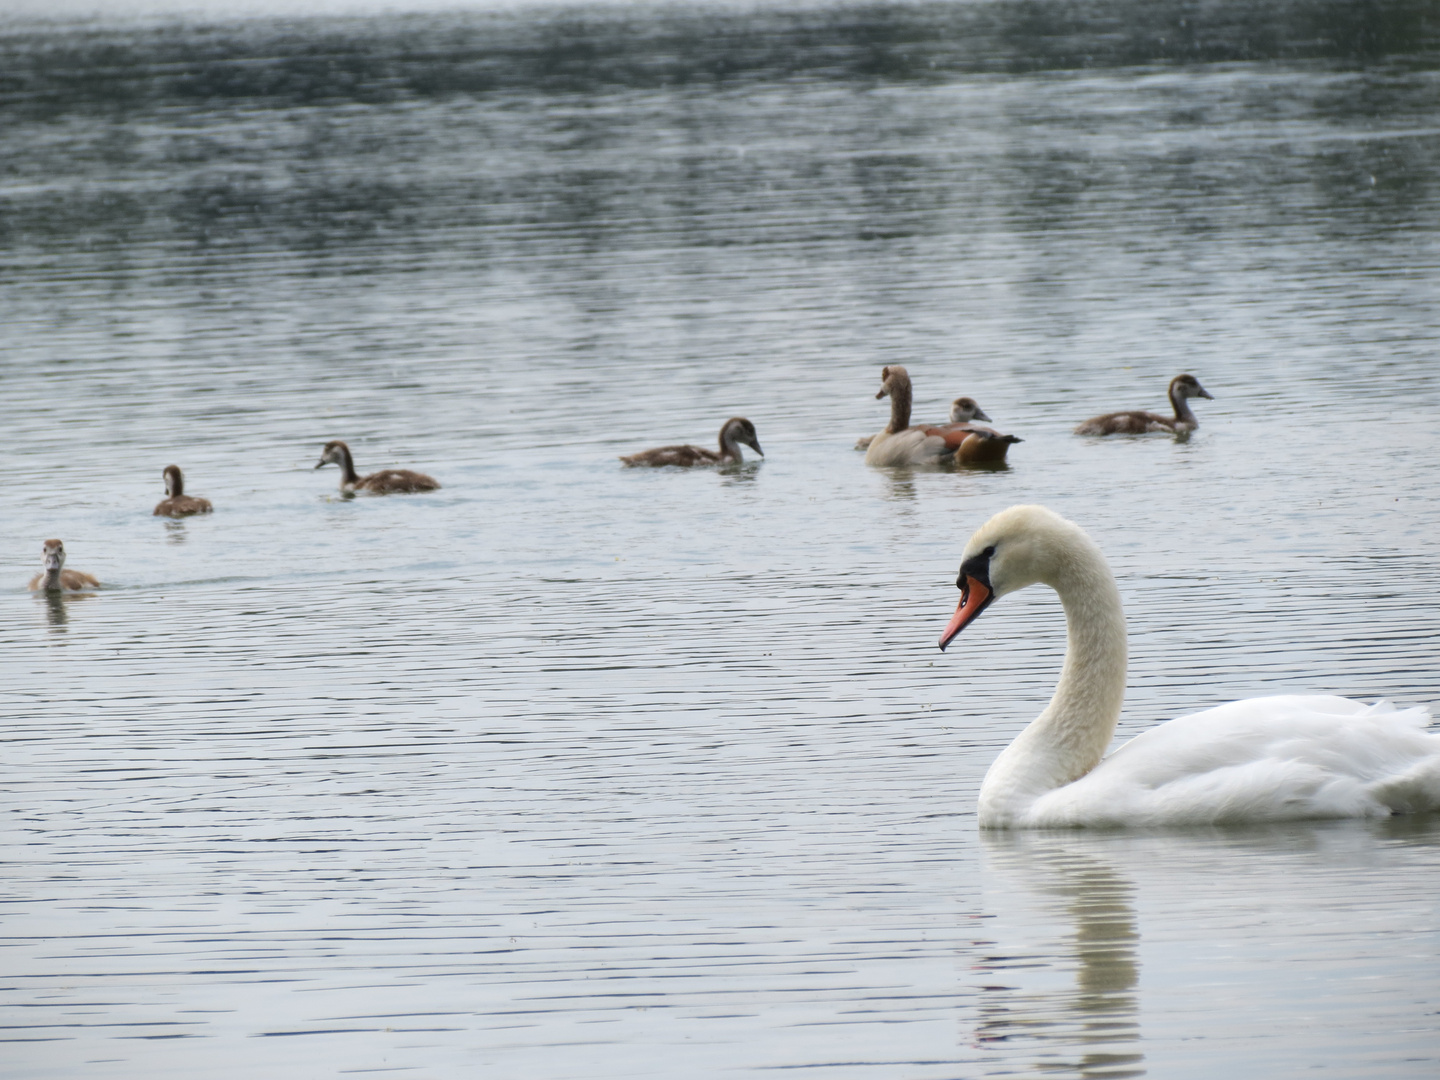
x=975 y=597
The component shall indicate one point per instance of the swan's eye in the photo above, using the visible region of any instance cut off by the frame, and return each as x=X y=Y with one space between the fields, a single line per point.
x=989 y=551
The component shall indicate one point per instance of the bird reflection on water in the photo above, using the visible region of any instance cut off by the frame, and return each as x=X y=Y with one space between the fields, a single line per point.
x=1091 y=1029
x=739 y=473
x=900 y=484
x=55 y=613
x=57 y=607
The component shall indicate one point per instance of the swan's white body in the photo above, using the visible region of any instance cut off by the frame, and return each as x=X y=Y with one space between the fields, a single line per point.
x=1261 y=759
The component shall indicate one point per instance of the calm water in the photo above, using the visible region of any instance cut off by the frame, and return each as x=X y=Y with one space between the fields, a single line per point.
x=569 y=771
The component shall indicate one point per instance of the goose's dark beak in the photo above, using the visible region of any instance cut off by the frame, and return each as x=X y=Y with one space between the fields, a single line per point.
x=975 y=597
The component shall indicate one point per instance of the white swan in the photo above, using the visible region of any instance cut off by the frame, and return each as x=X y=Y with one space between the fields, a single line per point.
x=1261 y=759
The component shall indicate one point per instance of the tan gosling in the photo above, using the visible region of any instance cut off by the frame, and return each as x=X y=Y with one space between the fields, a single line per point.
x=54 y=577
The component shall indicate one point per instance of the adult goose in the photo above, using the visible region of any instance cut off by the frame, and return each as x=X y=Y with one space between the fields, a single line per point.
x=1261 y=759
x=384 y=482
x=1137 y=422
x=899 y=443
x=734 y=433
x=177 y=503
x=54 y=577
x=963 y=410
x=974 y=444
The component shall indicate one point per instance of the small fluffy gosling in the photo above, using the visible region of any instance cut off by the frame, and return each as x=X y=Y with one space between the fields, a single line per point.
x=54 y=577
x=178 y=504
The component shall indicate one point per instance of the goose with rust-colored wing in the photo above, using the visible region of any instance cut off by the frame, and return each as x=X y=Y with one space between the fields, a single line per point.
x=900 y=443
x=974 y=444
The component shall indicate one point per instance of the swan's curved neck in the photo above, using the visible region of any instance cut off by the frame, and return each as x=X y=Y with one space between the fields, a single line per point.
x=1082 y=714
x=1180 y=402
x=900 y=396
x=1070 y=737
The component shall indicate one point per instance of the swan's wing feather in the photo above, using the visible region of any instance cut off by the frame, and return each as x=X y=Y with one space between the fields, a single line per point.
x=1261 y=759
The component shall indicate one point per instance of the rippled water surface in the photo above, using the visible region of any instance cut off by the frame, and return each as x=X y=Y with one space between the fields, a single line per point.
x=568 y=770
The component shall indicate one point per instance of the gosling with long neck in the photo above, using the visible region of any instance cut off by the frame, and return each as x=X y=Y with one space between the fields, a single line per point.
x=734 y=433
x=1139 y=422
x=384 y=482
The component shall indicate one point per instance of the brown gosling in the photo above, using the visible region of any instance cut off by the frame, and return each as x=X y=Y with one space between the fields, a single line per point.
x=54 y=577
x=178 y=504
x=735 y=432
x=1138 y=422
x=384 y=482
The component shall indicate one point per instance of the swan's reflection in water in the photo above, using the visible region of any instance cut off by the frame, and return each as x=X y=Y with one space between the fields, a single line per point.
x=1090 y=1028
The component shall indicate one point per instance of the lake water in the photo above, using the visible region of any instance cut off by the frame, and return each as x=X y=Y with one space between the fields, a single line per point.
x=573 y=771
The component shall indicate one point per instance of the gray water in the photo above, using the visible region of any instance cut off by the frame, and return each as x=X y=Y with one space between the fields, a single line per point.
x=568 y=770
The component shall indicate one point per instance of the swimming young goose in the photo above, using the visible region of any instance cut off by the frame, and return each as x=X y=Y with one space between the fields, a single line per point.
x=55 y=578
x=735 y=432
x=1282 y=758
x=1182 y=387
x=178 y=504
x=963 y=410
x=974 y=444
x=384 y=482
x=899 y=443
